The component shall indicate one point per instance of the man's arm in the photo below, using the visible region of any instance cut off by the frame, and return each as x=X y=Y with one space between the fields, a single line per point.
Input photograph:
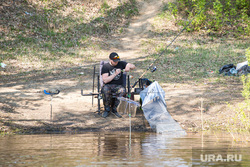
x=129 y=67
x=106 y=78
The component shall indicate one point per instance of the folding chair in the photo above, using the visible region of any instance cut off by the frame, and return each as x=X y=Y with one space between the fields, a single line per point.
x=98 y=94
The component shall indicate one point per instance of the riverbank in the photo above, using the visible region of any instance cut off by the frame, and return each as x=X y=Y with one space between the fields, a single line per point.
x=28 y=110
x=62 y=52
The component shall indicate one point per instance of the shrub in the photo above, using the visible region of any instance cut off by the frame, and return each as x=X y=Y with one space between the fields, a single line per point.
x=224 y=16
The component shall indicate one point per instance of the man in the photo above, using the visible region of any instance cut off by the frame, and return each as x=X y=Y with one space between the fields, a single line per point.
x=112 y=76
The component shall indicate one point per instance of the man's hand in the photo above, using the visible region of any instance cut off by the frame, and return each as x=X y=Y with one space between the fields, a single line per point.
x=117 y=71
x=129 y=67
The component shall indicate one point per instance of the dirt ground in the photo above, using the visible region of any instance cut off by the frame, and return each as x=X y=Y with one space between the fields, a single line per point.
x=24 y=107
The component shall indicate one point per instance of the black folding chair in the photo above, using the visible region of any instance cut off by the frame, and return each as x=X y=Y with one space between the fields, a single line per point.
x=98 y=94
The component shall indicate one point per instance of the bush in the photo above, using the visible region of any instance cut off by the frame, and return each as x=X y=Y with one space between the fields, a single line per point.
x=224 y=16
x=241 y=113
x=246 y=82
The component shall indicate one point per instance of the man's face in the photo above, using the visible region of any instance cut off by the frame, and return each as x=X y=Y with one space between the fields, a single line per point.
x=113 y=63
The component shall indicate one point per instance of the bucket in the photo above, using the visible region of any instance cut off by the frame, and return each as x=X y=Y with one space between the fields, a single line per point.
x=127 y=106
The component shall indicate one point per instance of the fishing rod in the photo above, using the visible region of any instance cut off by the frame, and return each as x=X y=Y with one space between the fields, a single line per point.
x=155 y=68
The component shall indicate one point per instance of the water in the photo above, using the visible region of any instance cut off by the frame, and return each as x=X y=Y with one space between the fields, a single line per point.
x=111 y=149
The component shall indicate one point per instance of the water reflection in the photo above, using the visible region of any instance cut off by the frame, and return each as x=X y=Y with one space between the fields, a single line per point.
x=118 y=149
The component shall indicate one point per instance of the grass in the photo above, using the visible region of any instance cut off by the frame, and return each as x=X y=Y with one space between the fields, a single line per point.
x=239 y=122
x=192 y=57
x=190 y=60
x=68 y=38
x=54 y=30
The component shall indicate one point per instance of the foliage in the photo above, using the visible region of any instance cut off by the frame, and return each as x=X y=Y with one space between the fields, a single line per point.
x=241 y=120
x=224 y=16
x=246 y=82
x=44 y=31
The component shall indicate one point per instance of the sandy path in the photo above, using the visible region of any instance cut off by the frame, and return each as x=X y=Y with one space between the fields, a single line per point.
x=138 y=30
x=127 y=45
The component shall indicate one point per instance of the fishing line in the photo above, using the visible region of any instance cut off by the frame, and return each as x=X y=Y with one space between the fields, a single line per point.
x=169 y=45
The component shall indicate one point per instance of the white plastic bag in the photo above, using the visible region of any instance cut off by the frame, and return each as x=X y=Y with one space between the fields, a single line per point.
x=239 y=65
x=3 y=65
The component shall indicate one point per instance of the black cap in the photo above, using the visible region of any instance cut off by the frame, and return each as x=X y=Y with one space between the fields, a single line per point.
x=114 y=56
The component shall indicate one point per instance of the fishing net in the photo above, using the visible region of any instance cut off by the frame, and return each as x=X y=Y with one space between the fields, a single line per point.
x=127 y=106
x=155 y=111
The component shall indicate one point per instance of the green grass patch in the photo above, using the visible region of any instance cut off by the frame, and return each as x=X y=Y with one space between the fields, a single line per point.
x=193 y=59
x=61 y=29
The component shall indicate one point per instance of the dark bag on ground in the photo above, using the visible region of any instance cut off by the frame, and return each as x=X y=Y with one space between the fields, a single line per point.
x=226 y=68
x=244 y=70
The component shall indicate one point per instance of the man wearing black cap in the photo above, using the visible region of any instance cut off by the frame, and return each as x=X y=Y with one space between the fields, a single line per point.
x=112 y=75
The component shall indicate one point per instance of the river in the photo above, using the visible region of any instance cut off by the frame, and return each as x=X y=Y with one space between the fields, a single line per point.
x=122 y=149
